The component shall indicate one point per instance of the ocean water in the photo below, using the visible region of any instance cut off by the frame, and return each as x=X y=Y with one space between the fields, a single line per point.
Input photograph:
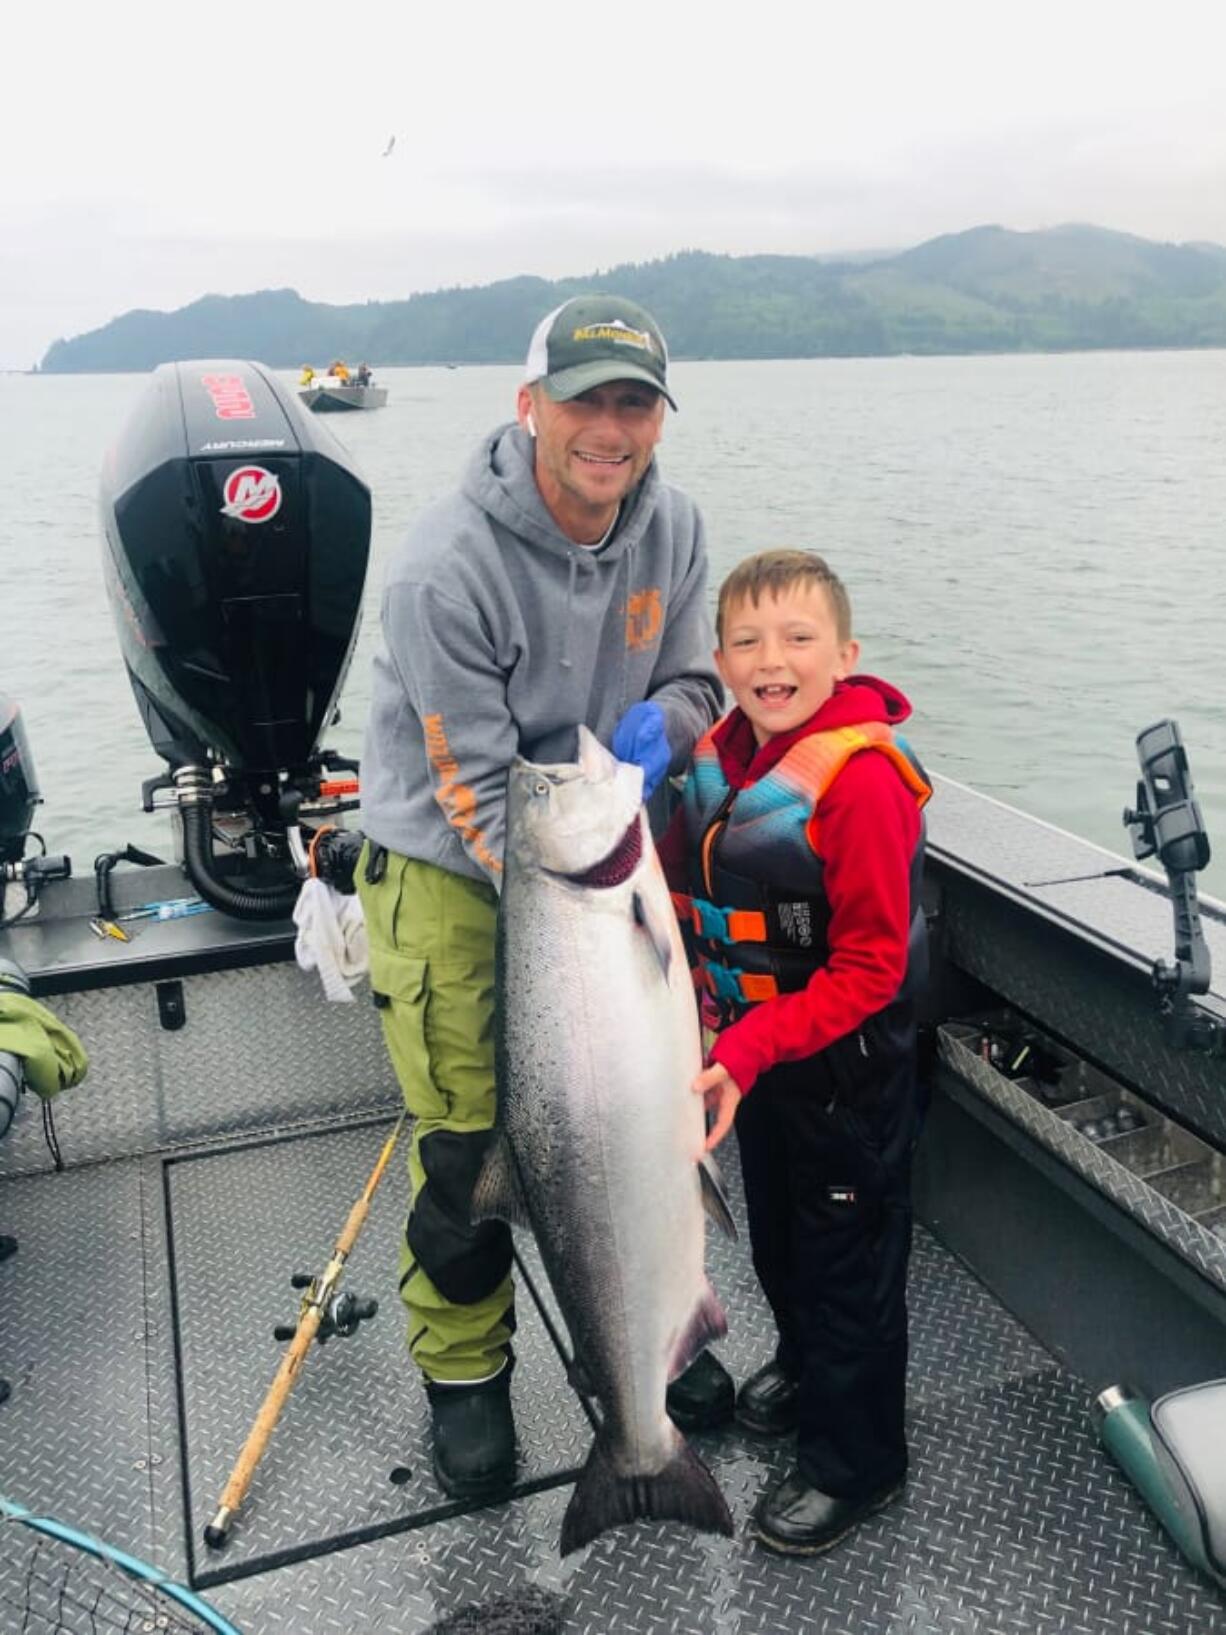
x=1034 y=548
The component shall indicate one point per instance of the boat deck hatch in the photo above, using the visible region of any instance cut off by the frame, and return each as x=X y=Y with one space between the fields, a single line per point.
x=349 y=1459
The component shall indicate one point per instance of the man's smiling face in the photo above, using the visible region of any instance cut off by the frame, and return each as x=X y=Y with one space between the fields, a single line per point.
x=592 y=450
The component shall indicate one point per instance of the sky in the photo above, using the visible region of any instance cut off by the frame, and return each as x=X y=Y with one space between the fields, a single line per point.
x=154 y=153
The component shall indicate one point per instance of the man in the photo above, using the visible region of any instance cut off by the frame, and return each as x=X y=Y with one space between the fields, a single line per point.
x=563 y=583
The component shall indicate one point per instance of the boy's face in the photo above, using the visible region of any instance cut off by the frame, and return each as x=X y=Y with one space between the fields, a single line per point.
x=782 y=658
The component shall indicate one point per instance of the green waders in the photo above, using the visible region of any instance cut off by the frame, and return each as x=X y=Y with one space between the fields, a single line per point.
x=432 y=971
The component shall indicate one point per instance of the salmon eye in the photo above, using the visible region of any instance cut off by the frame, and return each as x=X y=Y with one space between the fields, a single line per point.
x=541 y=788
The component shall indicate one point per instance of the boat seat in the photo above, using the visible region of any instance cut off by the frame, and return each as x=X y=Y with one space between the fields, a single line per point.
x=1190 y=1440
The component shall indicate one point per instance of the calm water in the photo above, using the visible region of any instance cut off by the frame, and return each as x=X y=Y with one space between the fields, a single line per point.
x=1034 y=547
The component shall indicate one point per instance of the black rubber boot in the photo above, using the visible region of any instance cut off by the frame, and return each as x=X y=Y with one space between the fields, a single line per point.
x=8 y=1246
x=769 y=1402
x=796 y=1518
x=473 y=1436
x=5 y=1390
x=703 y=1397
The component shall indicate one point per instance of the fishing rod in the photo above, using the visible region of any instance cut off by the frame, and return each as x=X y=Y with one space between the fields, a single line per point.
x=323 y=1313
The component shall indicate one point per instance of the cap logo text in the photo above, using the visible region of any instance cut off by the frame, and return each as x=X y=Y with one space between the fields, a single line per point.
x=617 y=332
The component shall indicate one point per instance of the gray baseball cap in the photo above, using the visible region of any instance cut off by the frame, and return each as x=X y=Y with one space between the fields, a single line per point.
x=593 y=339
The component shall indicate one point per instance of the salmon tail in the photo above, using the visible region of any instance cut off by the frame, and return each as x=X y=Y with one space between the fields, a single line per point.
x=707 y=1322
x=684 y=1490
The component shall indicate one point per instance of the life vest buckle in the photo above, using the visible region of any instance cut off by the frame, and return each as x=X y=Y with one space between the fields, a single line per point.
x=730 y=983
x=709 y=921
x=727 y=924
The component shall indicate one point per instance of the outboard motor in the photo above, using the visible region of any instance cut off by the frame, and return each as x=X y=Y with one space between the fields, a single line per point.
x=19 y=796
x=237 y=534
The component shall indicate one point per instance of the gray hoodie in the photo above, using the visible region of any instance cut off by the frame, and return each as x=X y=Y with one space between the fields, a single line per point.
x=501 y=635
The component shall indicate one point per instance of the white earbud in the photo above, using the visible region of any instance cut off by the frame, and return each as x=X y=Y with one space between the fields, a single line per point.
x=530 y=423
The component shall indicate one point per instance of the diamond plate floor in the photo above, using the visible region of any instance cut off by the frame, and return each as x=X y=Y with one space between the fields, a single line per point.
x=356 y=1411
x=1014 y=1520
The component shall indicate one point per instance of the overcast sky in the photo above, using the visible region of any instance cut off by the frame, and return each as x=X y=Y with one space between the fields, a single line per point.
x=157 y=152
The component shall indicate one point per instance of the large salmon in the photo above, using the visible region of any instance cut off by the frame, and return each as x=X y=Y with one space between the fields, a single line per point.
x=599 y=1146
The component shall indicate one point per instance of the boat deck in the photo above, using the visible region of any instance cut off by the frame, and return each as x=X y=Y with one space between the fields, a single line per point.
x=137 y=1333
x=230 y=1120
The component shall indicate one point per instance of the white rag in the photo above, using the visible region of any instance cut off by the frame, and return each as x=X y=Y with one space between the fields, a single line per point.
x=331 y=938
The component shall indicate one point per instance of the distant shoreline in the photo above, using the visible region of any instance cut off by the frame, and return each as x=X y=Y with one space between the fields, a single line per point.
x=823 y=357
x=983 y=292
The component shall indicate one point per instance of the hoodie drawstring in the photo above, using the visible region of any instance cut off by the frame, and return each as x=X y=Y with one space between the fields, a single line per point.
x=570 y=602
x=627 y=581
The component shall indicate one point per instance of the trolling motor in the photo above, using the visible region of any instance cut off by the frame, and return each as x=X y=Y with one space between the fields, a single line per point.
x=236 y=538
x=1167 y=822
x=19 y=795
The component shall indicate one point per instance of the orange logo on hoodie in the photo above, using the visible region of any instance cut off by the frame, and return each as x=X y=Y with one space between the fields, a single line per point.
x=644 y=616
x=458 y=801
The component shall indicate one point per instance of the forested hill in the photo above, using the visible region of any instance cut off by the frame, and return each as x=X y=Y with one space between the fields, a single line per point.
x=985 y=290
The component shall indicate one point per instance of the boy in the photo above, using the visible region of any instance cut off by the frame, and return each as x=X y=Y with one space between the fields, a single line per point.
x=804 y=842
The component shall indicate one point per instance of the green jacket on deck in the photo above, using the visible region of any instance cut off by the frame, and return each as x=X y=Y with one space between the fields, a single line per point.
x=52 y=1055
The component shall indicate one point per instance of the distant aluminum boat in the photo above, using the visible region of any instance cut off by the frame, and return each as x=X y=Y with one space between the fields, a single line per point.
x=328 y=396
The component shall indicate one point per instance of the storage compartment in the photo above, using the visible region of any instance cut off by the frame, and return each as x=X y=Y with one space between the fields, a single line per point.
x=1161 y=1173
x=1118 y=1121
x=1194 y=1187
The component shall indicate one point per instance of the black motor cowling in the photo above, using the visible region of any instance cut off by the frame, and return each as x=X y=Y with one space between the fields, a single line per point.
x=18 y=797
x=18 y=785
x=237 y=534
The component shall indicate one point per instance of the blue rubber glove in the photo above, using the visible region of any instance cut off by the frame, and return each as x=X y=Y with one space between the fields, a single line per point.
x=640 y=737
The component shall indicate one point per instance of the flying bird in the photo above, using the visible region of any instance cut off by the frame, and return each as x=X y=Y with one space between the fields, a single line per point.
x=391 y=143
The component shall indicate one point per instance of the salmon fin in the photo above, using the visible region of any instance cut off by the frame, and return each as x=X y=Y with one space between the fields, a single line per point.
x=498 y=1194
x=707 y=1322
x=715 y=1196
x=660 y=939
x=684 y=1490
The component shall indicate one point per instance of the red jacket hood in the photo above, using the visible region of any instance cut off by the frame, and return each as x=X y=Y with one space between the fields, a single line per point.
x=851 y=704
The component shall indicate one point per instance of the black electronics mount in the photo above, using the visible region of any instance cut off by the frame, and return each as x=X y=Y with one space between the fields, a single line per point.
x=1167 y=823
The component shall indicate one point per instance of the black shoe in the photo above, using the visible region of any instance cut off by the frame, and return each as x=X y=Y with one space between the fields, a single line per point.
x=5 y=1390
x=8 y=1246
x=703 y=1397
x=797 y=1519
x=474 y=1436
x=769 y=1402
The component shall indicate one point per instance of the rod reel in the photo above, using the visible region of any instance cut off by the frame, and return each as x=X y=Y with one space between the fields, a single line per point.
x=340 y=1314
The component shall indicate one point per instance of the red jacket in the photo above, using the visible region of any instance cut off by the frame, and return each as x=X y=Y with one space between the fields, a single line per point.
x=865 y=828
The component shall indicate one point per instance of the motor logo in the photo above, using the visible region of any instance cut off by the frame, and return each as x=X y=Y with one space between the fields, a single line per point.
x=231 y=399
x=251 y=494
